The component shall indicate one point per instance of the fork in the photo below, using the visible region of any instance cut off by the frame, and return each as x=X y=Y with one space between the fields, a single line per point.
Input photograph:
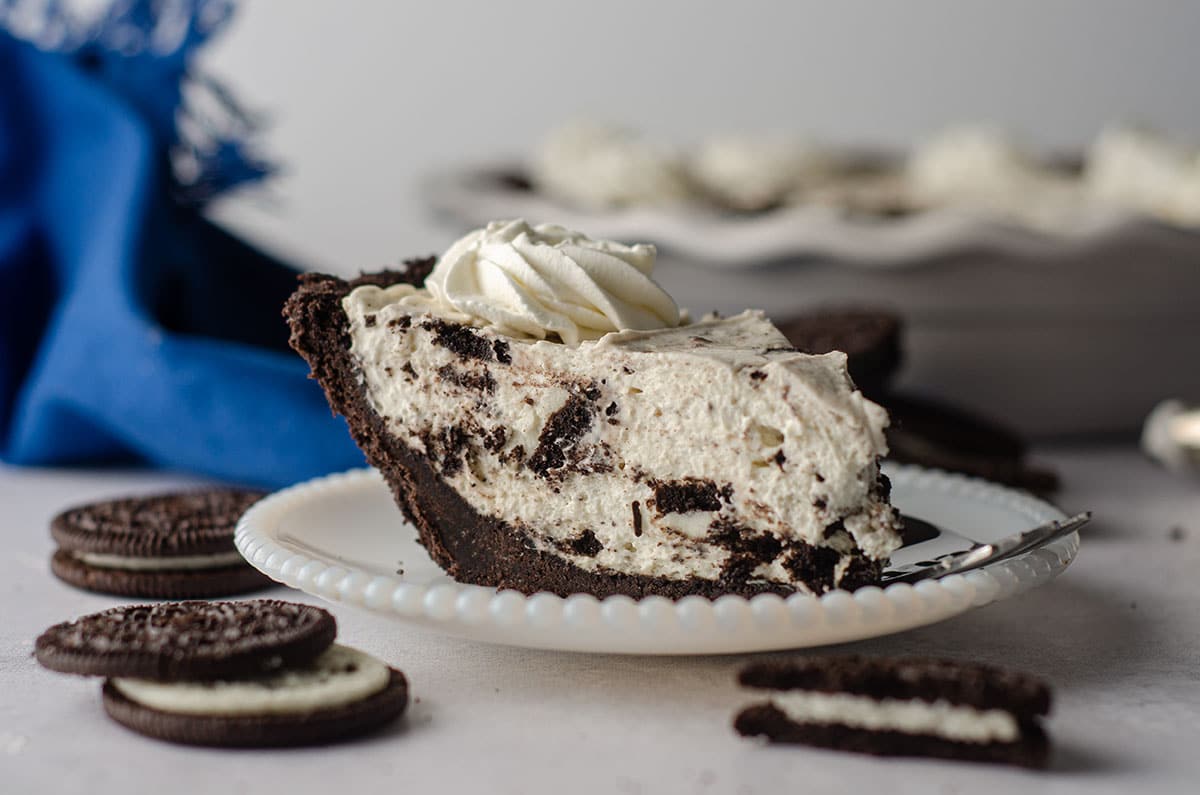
x=985 y=554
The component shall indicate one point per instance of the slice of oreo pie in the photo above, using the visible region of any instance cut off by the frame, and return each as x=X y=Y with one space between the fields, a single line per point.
x=899 y=707
x=668 y=458
x=165 y=546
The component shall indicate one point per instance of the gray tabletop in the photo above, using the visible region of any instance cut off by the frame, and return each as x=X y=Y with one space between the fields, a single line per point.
x=1118 y=635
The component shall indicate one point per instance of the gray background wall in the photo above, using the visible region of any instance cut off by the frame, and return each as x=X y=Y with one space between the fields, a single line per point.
x=364 y=97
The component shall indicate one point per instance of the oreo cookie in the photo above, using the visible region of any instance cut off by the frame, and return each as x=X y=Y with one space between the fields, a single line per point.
x=235 y=674
x=166 y=546
x=870 y=338
x=340 y=694
x=188 y=640
x=933 y=434
x=900 y=707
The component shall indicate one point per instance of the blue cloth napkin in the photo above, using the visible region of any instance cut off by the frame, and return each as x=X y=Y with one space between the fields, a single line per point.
x=131 y=327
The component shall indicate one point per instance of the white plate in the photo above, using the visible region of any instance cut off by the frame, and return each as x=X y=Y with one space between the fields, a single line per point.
x=341 y=538
x=472 y=196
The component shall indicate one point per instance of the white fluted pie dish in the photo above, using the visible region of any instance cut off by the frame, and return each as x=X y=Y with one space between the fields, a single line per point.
x=342 y=538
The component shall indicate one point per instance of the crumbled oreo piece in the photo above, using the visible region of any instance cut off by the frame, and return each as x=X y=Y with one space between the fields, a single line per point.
x=177 y=545
x=900 y=707
x=686 y=496
x=188 y=640
x=561 y=433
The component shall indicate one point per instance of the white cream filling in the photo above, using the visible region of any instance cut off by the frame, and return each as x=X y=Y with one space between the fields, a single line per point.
x=178 y=563
x=339 y=676
x=939 y=718
x=724 y=400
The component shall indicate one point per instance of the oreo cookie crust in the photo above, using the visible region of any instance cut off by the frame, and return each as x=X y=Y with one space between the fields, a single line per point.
x=188 y=640
x=900 y=707
x=166 y=546
x=314 y=704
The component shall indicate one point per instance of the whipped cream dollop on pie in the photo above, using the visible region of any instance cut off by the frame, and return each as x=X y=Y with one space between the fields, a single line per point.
x=546 y=281
x=549 y=422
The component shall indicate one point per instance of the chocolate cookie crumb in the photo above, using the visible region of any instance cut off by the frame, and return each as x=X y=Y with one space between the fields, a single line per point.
x=561 y=432
x=460 y=339
x=478 y=382
x=685 y=496
x=585 y=544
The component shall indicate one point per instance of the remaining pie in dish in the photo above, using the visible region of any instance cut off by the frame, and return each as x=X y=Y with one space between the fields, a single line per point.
x=549 y=421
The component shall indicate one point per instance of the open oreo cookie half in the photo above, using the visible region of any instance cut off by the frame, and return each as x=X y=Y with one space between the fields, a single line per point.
x=341 y=693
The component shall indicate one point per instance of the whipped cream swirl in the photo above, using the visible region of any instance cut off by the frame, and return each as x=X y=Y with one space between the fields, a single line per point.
x=544 y=281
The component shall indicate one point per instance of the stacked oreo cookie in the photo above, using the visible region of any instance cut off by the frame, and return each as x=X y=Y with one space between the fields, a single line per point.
x=235 y=674
x=166 y=546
